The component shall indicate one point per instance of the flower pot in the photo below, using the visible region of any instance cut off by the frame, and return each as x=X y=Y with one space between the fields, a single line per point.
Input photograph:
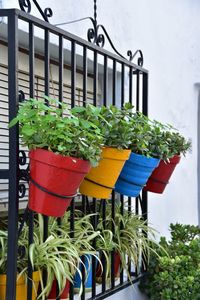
x=100 y=181
x=88 y=274
x=21 y=287
x=135 y=174
x=53 y=293
x=117 y=261
x=161 y=175
x=54 y=180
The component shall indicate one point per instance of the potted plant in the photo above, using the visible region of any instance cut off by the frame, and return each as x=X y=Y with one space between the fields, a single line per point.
x=131 y=238
x=147 y=148
x=21 y=282
x=84 y=236
x=174 y=274
x=176 y=145
x=62 y=150
x=58 y=258
x=116 y=131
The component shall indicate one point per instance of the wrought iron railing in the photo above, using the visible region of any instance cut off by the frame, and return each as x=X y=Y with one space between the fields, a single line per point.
x=120 y=68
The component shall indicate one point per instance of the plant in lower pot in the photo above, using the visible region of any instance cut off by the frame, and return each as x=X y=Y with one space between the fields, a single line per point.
x=105 y=246
x=131 y=238
x=62 y=150
x=116 y=131
x=176 y=145
x=83 y=240
x=22 y=262
x=59 y=258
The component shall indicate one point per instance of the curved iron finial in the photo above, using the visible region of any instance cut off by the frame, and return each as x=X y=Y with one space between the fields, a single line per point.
x=140 y=60
x=25 y=5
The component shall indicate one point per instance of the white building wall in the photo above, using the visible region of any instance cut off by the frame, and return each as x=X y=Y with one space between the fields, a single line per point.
x=168 y=32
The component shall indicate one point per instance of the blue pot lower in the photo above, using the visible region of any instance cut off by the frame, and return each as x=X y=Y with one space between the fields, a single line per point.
x=135 y=173
x=88 y=273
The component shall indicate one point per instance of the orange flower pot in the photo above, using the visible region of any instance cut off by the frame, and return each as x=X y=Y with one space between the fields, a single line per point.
x=21 y=287
x=100 y=181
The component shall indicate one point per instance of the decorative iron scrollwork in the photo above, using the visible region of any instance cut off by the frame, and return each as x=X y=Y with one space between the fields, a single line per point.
x=140 y=60
x=99 y=39
x=21 y=96
x=25 y=5
x=23 y=174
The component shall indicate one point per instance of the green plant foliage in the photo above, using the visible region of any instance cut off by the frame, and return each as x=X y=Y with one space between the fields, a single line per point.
x=113 y=123
x=154 y=139
x=175 y=276
x=125 y=128
x=44 y=126
x=131 y=238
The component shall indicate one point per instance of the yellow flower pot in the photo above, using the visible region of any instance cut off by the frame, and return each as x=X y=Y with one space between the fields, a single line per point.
x=100 y=181
x=21 y=287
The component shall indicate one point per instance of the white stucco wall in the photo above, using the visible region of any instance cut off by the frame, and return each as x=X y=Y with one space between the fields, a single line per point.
x=168 y=32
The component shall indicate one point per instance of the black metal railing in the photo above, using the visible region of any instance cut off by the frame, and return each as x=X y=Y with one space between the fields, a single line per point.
x=119 y=68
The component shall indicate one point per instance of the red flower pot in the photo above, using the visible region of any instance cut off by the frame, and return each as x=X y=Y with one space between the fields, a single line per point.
x=161 y=175
x=54 y=180
x=53 y=292
x=117 y=262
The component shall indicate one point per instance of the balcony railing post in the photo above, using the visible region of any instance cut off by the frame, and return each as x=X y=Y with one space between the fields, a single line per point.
x=13 y=156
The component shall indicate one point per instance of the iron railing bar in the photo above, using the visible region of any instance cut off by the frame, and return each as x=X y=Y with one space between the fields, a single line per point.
x=61 y=62
x=137 y=90
x=94 y=245
x=32 y=94
x=121 y=196
x=144 y=203
x=103 y=256
x=122 y=213
x=60 y=88
x=84 y=209
x=46 y=90
x=113 y=231
x=145 y=94
x=105 y=80
x=46 y=64
x=72 y=209
x=13 y=205
x=95 y=78
x=114 y=83
x=95 y=91
x=85 y=70
x=73 y=73
x=130 y=101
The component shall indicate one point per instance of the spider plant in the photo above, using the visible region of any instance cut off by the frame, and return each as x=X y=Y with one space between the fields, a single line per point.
x=58 y=257
x=21 y=257
x=3 y=251
x=131 y=238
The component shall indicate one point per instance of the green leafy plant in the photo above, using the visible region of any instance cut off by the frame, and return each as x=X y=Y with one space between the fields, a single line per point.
x=154 y=139
x=112 y=121
x=176 y=275
x=44 y=126
x=126 y=128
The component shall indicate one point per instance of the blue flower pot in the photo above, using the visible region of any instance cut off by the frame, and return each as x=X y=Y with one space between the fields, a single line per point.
x=88 y=273
x=135 y=174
